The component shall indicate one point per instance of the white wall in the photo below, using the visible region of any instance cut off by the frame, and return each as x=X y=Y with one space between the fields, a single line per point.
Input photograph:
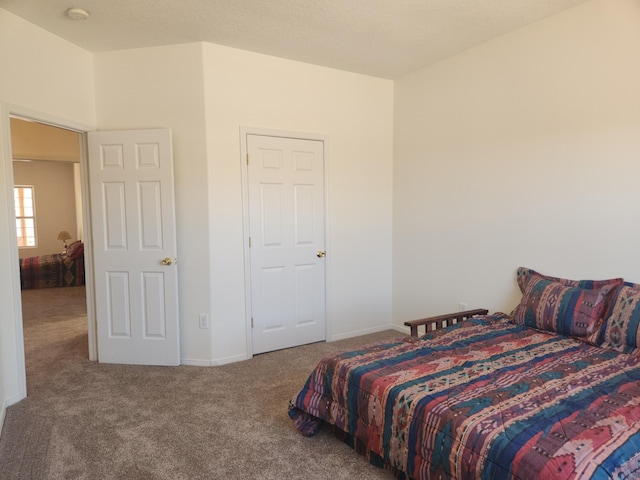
x=355 y=114
x=163 y=88
x=205 y=93
x=522 y=151
x=40 y=73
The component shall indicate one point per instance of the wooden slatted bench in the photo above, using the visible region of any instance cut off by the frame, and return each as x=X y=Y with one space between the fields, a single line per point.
x=442 y=321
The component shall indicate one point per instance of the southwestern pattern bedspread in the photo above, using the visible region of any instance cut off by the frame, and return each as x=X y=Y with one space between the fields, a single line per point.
x=483 y=399
x=51 y=271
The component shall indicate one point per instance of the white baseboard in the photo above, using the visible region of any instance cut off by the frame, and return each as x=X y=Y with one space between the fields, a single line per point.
x=402 y=329
x=365 y=331
x=239 y=358
x=6 y=404
x=191 y=362
x=13 y=399
x=2 y=415
x=233 y=359
x=212 y=363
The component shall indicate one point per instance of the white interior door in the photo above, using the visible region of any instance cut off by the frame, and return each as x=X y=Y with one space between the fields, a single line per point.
x=286 y=222
x=134 y=246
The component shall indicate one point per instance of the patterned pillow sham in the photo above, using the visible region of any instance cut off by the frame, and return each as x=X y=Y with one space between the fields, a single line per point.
x=621 y=332
x=567 y=310
x=525 y=274
x=75 y=250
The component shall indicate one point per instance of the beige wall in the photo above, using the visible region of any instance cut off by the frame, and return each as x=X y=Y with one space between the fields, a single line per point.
x=55 y=205
x=355 y=113
x=38 y=141
x=41 y=73
x=522 y=151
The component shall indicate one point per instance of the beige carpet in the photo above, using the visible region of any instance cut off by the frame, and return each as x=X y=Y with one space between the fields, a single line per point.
x=84 y=420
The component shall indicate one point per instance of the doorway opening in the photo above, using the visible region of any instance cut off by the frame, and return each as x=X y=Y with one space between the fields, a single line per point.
x=54 y=322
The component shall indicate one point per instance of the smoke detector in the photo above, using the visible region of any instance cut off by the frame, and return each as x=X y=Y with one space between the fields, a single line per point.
x=76 y=13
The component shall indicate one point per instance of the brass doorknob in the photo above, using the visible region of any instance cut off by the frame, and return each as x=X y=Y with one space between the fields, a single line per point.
x=168 y=261
x=321 y=253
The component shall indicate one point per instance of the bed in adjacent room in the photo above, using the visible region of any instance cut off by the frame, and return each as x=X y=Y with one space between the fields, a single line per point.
x=551 y=391
x=55 y=270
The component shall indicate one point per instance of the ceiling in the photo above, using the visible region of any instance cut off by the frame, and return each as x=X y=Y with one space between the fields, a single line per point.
x=382 y=38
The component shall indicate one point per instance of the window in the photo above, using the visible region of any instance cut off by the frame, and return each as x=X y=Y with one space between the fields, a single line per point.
x=25 y=215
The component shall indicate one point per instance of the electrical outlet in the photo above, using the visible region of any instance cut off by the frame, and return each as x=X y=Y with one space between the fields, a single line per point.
x=203 y=320
x=462 y=306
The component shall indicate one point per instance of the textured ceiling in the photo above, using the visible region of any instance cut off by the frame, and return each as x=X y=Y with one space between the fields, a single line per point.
x=383 y=38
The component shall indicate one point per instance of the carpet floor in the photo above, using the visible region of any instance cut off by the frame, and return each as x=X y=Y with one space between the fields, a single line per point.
x=86 y=420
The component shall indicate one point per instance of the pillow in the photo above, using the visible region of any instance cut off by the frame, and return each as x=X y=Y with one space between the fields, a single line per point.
x=621 y=332
x=75 y=250
x=524 y=275
x=568 y=310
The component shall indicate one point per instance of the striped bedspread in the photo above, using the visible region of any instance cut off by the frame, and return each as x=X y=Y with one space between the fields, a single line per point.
x=51 y=271
x=484 y=399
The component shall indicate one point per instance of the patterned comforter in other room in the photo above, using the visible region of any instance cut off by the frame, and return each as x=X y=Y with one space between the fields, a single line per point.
x=51 y=271
x=484 y=399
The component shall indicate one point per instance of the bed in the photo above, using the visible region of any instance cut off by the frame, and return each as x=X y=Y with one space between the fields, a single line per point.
x=550 y=391
x=55 y=270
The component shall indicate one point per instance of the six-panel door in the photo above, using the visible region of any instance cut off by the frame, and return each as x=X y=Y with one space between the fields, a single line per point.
x=286 y=221
x=134 y=245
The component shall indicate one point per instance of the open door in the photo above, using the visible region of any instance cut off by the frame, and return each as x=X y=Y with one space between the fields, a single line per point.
x=134 y=246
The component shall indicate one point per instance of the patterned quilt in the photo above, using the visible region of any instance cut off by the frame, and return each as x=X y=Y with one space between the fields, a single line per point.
x=484 y=399
x=50 y=271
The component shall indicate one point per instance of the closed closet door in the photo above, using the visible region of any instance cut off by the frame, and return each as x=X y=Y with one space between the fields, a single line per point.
x=287 y=241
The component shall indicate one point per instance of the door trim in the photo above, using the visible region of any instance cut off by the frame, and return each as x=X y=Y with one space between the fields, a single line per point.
x=6 y=111
x=267 y=132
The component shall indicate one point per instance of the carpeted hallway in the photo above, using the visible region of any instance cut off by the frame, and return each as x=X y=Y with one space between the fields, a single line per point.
x=84 y=420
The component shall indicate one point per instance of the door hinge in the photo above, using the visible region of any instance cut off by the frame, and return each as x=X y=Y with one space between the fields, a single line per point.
x=251 y=322
x=249 y=242
x=247 y=159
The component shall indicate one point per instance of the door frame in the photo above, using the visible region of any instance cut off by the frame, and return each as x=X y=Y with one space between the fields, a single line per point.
x=6 y=112
x=267 y=132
